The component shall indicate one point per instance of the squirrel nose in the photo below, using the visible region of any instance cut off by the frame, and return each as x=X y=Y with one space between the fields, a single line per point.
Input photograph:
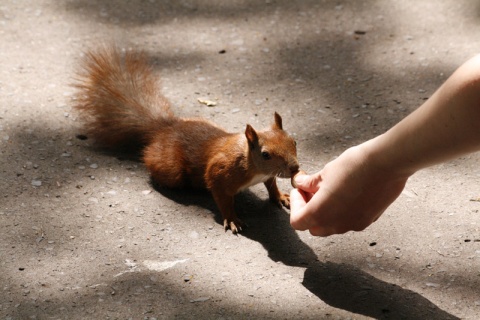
x=294 y=168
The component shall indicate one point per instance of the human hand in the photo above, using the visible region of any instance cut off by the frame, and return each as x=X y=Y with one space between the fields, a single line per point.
x=348 y=194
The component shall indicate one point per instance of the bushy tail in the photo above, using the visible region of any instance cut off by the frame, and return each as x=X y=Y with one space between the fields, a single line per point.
x=119 y=100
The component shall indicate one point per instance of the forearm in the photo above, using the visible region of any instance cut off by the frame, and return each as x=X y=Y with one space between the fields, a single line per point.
x=446 y=126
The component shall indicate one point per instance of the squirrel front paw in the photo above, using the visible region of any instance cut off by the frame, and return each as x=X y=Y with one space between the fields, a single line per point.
x=234 y=224
x=283 y=199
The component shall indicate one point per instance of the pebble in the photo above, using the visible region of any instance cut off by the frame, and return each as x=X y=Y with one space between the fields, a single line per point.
x=94 y=166
x=93 y=199
x=432 y=285
x=194 y=235
x=36 y=183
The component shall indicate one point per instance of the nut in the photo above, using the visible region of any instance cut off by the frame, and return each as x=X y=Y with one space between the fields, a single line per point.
x=299 y=172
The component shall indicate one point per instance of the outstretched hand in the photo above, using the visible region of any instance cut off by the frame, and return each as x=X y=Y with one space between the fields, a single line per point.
x=348 y=194
x=352 y=191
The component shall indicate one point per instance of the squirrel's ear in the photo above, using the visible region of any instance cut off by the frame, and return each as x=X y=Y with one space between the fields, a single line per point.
x=251 y=135
x=278 y=122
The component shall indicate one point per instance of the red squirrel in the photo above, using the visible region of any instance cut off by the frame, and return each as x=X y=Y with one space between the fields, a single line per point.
x=118 y=99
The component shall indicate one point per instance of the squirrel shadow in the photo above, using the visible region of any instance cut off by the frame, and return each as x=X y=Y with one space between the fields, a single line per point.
x=342 y=286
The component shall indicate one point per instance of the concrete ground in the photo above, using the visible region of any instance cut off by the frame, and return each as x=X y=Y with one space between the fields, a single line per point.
x=83 y=234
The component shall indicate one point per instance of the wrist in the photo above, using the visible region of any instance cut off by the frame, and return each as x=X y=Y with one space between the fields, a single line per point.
x=387 y=158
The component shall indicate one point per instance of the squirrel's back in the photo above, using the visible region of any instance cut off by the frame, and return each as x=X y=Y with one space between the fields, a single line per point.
x=119 y=99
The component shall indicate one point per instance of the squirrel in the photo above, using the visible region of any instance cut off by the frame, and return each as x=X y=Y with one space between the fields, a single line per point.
x=118 y=98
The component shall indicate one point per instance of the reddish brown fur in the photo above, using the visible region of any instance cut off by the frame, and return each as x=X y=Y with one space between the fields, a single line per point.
x=119 y=99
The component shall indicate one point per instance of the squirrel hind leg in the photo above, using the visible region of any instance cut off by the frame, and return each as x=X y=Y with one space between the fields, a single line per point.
x=165 y=166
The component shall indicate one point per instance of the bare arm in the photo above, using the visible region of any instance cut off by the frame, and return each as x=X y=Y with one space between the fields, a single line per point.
x=445 y=126
x=352 y=191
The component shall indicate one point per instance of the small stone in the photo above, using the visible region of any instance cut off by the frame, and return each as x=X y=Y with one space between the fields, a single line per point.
x=36 y=183
x=194 y=235
x=93 y=199
x=94 y=166
x=432 y=285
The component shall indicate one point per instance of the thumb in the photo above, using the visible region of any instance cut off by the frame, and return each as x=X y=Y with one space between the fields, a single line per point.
x=309 y=183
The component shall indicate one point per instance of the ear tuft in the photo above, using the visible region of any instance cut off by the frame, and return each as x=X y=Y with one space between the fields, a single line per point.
x=251 y=135
x=278 y=122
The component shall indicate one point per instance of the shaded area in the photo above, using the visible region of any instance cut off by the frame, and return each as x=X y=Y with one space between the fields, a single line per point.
x=339 y=285
x=342 y=286
x=346 y=287
x=139 y=13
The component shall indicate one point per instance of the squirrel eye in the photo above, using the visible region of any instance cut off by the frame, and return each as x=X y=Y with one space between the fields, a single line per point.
x=266 y=155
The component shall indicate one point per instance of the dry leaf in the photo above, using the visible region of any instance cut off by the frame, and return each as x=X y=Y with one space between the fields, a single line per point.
x=208 y=103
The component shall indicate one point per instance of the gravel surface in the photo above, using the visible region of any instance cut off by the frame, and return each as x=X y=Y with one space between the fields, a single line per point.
x=84 y=235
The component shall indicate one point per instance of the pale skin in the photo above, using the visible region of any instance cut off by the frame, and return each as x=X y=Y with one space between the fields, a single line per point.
x=352 y=191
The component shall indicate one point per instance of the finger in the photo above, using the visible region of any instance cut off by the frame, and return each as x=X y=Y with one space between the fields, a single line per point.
x=309 y=183
x=306 y=195
x=321 y=231
x=298 y=219
x=298 y=200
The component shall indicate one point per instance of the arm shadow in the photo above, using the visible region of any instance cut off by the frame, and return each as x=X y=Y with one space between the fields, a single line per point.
x=341 y=286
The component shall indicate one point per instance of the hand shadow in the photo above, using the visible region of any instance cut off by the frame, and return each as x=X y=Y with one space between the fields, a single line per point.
x=341 y=286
